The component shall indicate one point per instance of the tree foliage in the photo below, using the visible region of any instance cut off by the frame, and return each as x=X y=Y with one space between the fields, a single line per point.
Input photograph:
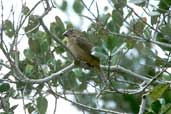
x=134 y=48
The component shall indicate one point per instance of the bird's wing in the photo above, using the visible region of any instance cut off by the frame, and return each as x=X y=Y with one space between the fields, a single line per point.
x=86 y=45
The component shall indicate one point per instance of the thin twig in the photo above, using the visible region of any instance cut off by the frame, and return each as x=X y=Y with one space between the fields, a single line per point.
x=91 y=4
x=55 y=37
x=88 y=107
x=28 y=14
x=143 y=104
x=88 y=9
x=142 y=19
x=141 y=39
x=52 y=76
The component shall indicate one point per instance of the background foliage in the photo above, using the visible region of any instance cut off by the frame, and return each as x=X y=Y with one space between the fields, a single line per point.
x=131 y=38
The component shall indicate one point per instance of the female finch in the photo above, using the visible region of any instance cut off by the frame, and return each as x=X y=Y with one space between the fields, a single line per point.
x=81 y=48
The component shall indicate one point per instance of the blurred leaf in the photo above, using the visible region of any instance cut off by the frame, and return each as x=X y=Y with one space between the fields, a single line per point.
x=150 y=113
x=158 y=91
x=77 y=6
x=44 y=45
x=117 y=18
x=33 y=25
x=28 y=69
x=139 y=25
x=130 y=43
x=148 y=53
x=156 y=106
x=25 y=10
x=164 y=38
x=39 y=42
x=9 y=28
x=99 y=52
x=104 y=18
x=57 y=27
x=6 y=104
x=77 y=72
x=138 y=2
x=34 y=45
x=166 y=109
x=69 y=82
x=164 y=5
x=110 y=43
x=64 y=5
x=69 y=25
x=42 y=104
x=165 y=29
x=119 y=4
x=4 y=87
x=28 y=54
x=59 y=49
x=154 y=19
x=29 y=107
x=13 y=107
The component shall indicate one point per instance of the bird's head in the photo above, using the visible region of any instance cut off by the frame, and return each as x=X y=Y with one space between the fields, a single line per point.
x=68 y=33
x=71 y=33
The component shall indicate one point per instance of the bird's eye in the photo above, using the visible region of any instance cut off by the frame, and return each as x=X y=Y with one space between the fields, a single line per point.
x=70 y=31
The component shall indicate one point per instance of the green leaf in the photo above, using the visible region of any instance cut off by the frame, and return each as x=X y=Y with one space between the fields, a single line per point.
x=166 y=109
x=8 y=28
x=25 y=10
x=164 y=5
x=28 y=54
x=29 y=107
x=4 y=87
x=139 y=25
x=150 y=113
x=166 y=30
x=110 y=43
x=156 y=106
x=57 y=27
x=117 y=18
x=44 y=46
x=136 y=1
x=99 y=52
x=33 y=25
x=119 y=4
x=154 y=18
x=77 y=6
x=77 y=72
x=42 y=104
x=13 y=107
x=158 y=91
x=6 y=104
x=69 y=82
x=34 y=45
x=64 y=5
x=28 y=69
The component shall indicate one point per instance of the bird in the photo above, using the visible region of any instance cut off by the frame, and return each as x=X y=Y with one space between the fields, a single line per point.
x=81 y=48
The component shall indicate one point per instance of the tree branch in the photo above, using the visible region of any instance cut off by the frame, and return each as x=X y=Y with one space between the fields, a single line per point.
x=141 y=39
x=52 y=76
x=54 y=37
x=86 y=106
x=143 y=104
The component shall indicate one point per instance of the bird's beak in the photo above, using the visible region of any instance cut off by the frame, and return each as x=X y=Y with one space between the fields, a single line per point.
x=68 y=33
x=65 y=33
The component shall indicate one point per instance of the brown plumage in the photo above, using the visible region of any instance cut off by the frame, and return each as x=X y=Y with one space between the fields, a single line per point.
x=81 y=48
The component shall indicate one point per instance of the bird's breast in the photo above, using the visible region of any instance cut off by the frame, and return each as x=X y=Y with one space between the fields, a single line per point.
x=81 y=54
